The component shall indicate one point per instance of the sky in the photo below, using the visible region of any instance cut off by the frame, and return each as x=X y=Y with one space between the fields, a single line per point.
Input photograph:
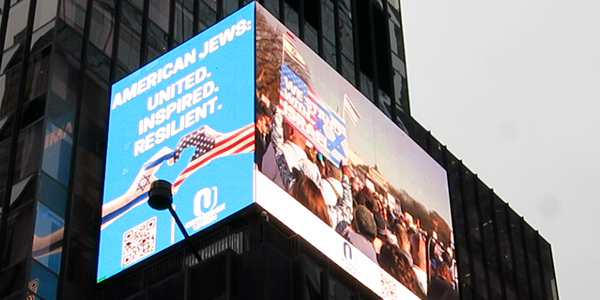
x=511 y=87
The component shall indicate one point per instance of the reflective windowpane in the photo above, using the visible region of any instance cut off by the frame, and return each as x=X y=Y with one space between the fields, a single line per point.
x=52 y=194
x=44 y=280
x=28 y=151
x=19 y=227
x=33 y=111
x=17 y=24
x=184 y=23
x=65 y=71
x=45 y=11
x=60 y=112
x=272 y=6
x=329 y=54
x=102 y=28
x=328 y=20
x=57 y=153
x=348 y=70
x=48 y=238
x=208 y=16
x=311 y=37
x=159 y=13
x=4 y=159
x=38 y=73
x=73 y=13
x=11 y=58
x=157 y=41
x=42 y=37
x=129 y=48
x=229 y=6
x=9 y=85
x=131 y=16
x=291 y=19
x=23 y=191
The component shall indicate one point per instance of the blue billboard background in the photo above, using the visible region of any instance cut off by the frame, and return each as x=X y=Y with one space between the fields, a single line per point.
x=188 y=118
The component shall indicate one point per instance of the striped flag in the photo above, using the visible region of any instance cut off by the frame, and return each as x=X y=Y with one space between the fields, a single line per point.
x=289 y=48
x=211 y=144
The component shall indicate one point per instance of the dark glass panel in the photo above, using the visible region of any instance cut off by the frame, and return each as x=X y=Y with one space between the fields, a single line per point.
x=102 y=28
x=28 y=150
x=18 y=235
x=522 y=281
x=159 y=13
x=4 y=159
x=229 y=6
x=23 y=191
x=9 y=90
x=328 y=20
x=329 y=54
x=13 y=279
x=94 y=111
x=129 y=48
x=184 y=22
x=291 y=19
x=311 y=37
x=38 y=73
x=272 y=6
x=66 y=77
x=42 y=37
x=73 y=13
x=348 y=70
x=87 y=190
x=157 y=41
x=52 y=194
x=60 y=112
x=208 y=16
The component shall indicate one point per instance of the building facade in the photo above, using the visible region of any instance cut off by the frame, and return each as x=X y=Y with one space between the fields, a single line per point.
x=59 y=60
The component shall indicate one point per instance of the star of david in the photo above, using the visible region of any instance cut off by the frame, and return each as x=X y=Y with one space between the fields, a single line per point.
x=143 y=183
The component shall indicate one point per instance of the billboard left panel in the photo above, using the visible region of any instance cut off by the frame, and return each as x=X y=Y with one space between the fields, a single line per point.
x=188 y=118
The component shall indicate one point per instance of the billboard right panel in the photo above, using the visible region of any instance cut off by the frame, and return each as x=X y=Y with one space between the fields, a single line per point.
x=339 y=173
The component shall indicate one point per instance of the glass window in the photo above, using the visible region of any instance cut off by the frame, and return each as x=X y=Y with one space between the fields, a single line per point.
x=48 y=238
x=73 y=13
x=23 y=191
x=211 y=3
x=9 y=89
x=311 y=37
x=208 y=16
x=65 y=71
x=385 y=103
x=45 y=11
x=69 y=39
x=19 y=227
x=131 y=16
x=28 y=151
x=157 y=41
x=229 y=6
x=346 y=38
x=329 y=54
x=17 y=24
x=60 y=112
x=184 y=23
x=94 y=110
x=291 y=19
x=42 y=37
x=44 y=281
x=328 y=20
x=87 y=189
x=98 y=62
x=272 y=6
x=159 y=13
x=348 y=70
x=11 y=57
x=57 y=153
x=102 y=28
x=4 y=159
x=52 y=194
x=38 y=73
x=366 y=86
x=33 y=111
x=129 y=48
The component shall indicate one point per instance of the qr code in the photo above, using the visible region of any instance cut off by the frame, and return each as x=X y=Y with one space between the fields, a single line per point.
x=138 y=242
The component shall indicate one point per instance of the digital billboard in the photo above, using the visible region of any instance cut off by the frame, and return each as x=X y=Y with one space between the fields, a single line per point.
x=341 y=175
x=186 y=117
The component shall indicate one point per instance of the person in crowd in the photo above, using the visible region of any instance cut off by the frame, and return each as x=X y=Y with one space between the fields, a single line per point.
x=440 y=287
x=394 y=262
x=418 y=251
x=362 y=232
x=308 y=194
x=262 y=135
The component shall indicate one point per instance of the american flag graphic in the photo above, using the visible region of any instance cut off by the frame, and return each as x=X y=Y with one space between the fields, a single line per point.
x=211 y=144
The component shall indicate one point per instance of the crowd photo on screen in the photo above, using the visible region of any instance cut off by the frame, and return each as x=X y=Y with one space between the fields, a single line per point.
x=411 y=242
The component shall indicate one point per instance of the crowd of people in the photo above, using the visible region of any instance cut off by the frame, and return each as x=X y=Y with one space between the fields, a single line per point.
x=338 y=196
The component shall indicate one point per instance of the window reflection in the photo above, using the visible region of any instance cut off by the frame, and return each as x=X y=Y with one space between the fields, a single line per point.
x=73 y=13
x=17 y=24
x=102 y=28
x=57 y=152
x=43 y=281
x=159 y=13
x=9 y=85
x=48 y=238
x=45 y=11
x=28 y=151
x=184 y=22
